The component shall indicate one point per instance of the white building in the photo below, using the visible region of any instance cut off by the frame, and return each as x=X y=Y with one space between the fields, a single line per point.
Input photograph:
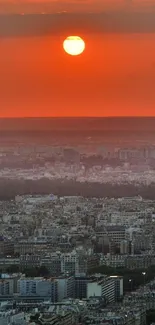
x=118 y=286
x=104 y=287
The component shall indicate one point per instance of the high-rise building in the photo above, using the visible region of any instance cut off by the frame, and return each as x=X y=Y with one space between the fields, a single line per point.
x=102 y=287
x=118 y=286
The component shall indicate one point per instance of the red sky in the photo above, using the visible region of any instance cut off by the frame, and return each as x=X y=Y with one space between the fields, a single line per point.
x=73 y=5
x=115 y=76
x=100 y=4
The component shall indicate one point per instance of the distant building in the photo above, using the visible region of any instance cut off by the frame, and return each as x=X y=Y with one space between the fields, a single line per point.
x=124 y=247
x=6 y=247
x=71 y=156
x=114 y=233
x=29 y=261
x=8 y=261
x=53 y=264
x=69 y=263
x=23 y=248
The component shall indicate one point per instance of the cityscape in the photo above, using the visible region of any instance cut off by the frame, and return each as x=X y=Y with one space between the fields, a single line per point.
x=77 y=221
x=77 y=162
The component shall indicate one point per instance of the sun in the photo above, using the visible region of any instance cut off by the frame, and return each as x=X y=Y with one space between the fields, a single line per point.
x=74 y=45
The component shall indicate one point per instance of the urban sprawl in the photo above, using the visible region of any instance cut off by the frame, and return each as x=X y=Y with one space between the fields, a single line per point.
x=71 y=260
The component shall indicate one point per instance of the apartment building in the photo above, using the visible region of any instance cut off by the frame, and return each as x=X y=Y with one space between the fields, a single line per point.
x=102 y=287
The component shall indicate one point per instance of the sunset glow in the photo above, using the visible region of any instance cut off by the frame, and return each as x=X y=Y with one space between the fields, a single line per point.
x=74 y=45
x=114 y=76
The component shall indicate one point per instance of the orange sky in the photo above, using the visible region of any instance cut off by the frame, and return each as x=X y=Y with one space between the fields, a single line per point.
x=115 y=75
x=77 y=5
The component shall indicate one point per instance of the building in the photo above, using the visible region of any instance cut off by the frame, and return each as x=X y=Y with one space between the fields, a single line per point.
x=81 y=283
x=124 y=247
x=27 y=286
x=114 y=260
x=7 y=262
x=23 y=248
x=65 y=318
x=29 y=261
x=85 y=262
x=81 y=286
x=13 y=318
x=114 y=233
x=66 y=287
x=102 y=287
x=53 y=264
x=118 y=287
x=139 y=261
x=4 y=287
x=39 y=287
x=69 y=263
x=6 y=247
x=47 y=288
x=78 y=262
x=12 y=280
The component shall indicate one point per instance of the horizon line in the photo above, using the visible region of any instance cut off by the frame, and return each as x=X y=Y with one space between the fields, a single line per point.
x=71 y=117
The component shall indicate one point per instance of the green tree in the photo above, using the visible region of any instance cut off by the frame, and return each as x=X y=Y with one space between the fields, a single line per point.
x=12 y=269
x=136 y=276
x=43 y=271
x=36 y=271
x=34 y=318
x=150 y=316
x=31 y=272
